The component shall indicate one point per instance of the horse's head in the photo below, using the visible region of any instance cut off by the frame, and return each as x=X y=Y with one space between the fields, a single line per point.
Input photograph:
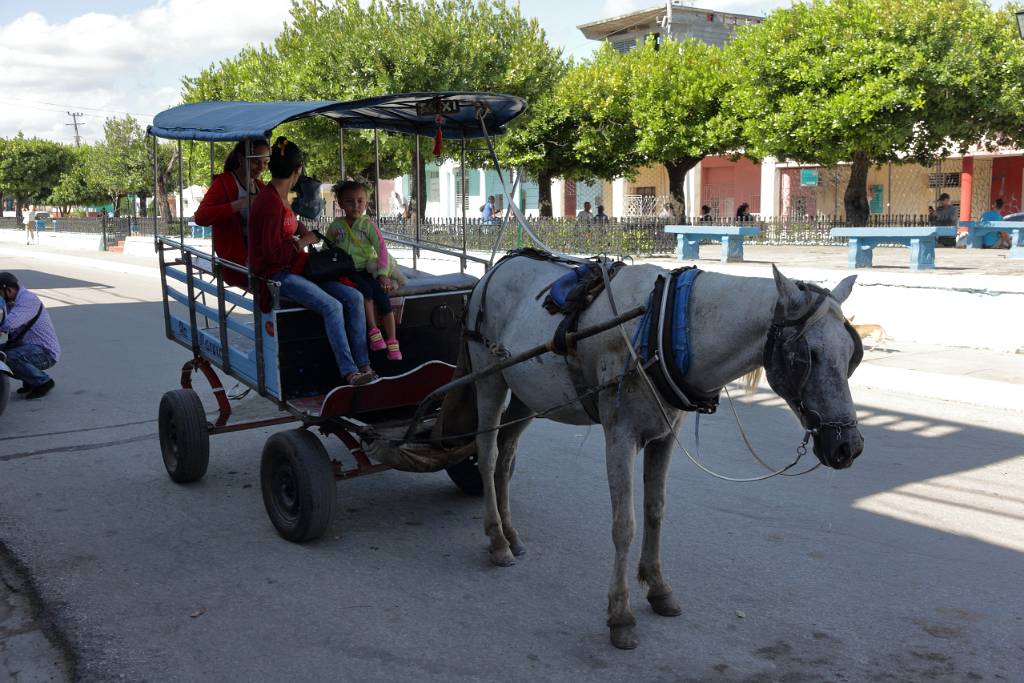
x=810 y=352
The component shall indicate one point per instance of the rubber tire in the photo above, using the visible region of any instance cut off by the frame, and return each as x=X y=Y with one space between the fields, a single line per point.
x=5 y=391
x=184 y=436
x=297 y=480
x=466 y=475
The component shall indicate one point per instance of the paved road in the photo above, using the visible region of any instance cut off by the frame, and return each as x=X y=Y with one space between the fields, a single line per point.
x=906 y=567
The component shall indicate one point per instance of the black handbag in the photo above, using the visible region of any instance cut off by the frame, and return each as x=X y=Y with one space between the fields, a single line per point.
x=329 y=263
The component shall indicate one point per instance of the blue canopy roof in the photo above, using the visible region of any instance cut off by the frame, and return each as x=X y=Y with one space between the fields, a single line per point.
x=406 y=113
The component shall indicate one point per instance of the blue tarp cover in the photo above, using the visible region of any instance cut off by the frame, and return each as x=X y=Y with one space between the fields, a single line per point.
x=407 y=113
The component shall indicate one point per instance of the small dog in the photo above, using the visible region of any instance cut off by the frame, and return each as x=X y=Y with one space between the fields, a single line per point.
x=877 y=332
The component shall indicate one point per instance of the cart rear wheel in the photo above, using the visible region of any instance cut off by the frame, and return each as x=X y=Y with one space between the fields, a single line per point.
x=298 y=485
x=466 y=475
x=184 y=439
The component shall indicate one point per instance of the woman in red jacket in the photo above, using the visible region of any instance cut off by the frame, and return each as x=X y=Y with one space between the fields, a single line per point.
x=277 y=252
x=226 y=205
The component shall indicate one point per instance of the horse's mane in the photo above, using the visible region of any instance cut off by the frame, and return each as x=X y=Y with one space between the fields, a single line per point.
x=752 y=380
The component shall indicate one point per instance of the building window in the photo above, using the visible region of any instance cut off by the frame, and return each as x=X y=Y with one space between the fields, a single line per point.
x=624 y=45
x=943 y=180
x=529 y=194
x=433 y=183
x=472 y=186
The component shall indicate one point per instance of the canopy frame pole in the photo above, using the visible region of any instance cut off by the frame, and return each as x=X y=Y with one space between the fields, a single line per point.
x=254 y=285
x=181 y=198
x=213 y=171
x=465 y=200
x=420 y=204
x=376 y=172
x=156 y=193
x=341 y=152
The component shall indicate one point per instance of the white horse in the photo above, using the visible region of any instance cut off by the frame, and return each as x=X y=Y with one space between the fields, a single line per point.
x=730 y=321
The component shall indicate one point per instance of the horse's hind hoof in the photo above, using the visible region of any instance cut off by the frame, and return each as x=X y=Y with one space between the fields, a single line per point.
x=517 y=548
x=666 y=605
x=624 y=637
x=502 y=558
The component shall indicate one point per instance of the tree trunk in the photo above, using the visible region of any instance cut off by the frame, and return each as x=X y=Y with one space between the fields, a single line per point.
x=163 y=199
x=419 y=189
x=544 y=194
x=855 y=200
x=142 y=203
x=116 y=201
x=677 y=170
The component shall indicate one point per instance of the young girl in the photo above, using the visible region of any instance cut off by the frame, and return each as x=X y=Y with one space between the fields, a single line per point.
x=377 y=273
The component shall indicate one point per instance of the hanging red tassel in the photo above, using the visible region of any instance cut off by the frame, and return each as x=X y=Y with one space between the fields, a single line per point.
x=437 y=136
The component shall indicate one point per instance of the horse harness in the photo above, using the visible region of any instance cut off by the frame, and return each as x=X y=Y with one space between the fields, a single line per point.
x=787 y=359
x=665 y=344
x=570 y=299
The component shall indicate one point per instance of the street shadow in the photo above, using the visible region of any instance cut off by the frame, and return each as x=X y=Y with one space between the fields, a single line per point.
x=34 y=279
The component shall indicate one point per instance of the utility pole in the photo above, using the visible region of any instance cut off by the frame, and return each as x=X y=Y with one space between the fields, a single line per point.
x=74 y=122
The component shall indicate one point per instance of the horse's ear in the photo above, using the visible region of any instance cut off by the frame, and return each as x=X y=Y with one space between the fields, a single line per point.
x=789 y=293
x=843 y=289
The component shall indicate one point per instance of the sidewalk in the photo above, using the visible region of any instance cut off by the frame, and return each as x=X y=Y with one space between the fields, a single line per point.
x=973 y=377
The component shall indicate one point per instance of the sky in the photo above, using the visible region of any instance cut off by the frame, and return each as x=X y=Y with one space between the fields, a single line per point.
x=105 y=58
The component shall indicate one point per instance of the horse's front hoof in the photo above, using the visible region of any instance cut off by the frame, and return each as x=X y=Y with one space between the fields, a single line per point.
x=624 y=637
x=502 y=558
x=666 y=605
x=517 y=548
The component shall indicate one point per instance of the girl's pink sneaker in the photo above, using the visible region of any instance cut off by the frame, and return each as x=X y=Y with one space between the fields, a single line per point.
x=393 y=352
x=377 y=340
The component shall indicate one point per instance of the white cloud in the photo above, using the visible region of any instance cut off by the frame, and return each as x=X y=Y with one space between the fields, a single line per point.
x=104 y=64
x=613 y=8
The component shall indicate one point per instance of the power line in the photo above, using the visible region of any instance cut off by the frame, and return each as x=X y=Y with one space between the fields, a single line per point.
x=33 y=104
x=74 y=122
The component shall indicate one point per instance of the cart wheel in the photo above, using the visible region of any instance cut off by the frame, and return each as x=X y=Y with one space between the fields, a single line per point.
x=298 y=485
x=466 y=476
x=184 y=439
x=5 y=392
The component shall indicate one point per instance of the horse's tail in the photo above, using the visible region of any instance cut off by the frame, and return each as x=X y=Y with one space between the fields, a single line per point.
x=458 y=408
x=752 y=380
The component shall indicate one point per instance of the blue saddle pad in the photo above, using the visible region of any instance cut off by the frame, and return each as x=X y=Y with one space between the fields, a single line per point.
x=561 y=287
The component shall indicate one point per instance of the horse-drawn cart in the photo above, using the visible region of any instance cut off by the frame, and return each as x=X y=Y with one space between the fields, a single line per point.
x=281 y=351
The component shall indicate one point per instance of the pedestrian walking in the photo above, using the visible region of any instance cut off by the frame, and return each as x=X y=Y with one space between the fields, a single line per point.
x=29 y=218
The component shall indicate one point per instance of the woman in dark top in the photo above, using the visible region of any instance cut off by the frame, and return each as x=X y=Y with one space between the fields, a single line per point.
x=226 y=204
x=277 y=251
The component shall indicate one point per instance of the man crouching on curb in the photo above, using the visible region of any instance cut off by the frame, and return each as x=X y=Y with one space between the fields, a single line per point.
x=32 y=344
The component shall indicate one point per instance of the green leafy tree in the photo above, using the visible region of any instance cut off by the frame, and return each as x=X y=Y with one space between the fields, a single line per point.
x=596 y=95
x=340 y=50
x=30 y=168
x=874 y=81
x=75 y=187
x=122 y=164
x=676 y=91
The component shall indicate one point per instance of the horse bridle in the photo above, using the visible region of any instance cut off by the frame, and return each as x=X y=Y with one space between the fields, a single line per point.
x=787 y=359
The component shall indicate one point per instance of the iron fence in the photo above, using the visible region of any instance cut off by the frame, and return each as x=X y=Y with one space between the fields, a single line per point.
x=637 y=236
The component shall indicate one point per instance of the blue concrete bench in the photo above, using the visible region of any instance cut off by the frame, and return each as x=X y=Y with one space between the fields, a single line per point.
x=976 y=231
x=862 y=242
x=688 y=238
